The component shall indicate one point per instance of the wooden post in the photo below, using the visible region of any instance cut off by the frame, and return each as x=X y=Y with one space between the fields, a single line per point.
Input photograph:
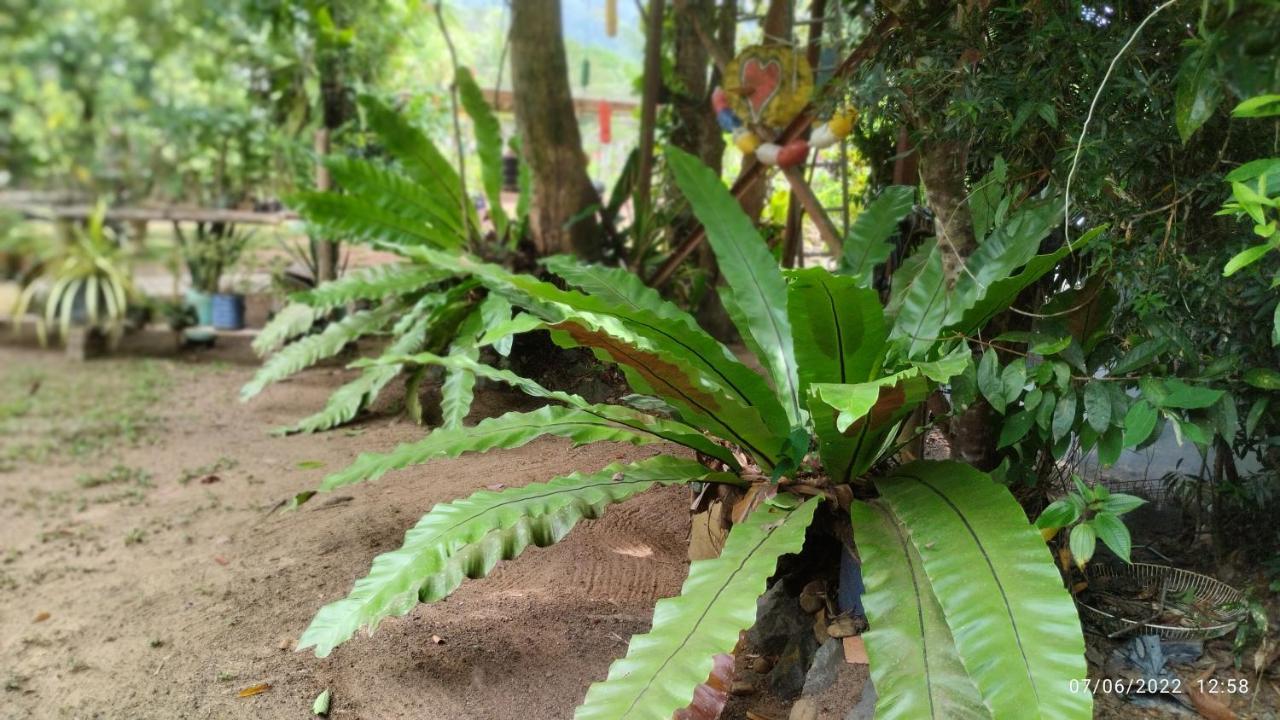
x=649 y=103
x=801 y=191
x=326 y=250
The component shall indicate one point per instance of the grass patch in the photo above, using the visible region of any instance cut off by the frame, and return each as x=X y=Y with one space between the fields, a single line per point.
x=117 y=475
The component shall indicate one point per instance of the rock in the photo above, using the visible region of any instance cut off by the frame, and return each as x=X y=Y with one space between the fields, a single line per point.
x=826 y=663
x=788 y=675
x=866 y=707
x=761 y=665
x=742 y=687
x=846 y=626
x=813 y=597
x=778 y=620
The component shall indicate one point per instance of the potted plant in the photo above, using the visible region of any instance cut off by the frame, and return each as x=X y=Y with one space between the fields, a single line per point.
x=89 y=281
x=213 y=249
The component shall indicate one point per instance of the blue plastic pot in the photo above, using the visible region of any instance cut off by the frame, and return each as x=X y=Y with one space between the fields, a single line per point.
x=228 y=311
x=202 y=303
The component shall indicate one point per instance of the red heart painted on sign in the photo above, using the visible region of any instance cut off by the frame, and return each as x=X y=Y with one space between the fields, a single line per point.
x=760 y=82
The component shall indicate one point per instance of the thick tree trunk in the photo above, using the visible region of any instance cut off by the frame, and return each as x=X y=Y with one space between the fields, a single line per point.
x=696 y=130
x=550 y=140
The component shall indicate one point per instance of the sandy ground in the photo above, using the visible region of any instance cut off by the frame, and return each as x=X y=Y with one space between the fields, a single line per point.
x=165 y=588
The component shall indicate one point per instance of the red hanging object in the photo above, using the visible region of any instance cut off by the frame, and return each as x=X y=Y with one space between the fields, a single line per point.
x=605 y=112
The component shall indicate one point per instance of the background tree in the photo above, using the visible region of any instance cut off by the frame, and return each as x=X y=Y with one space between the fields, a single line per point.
x=550 y=140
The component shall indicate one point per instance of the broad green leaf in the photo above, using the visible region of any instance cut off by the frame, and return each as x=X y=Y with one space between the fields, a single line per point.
x=1121 y=503
x=622 y=288
x=1110 y=445
x=1060 y=513
x=488 y=144
x=1010 y=245
x=1014 y=625
x=1258 y=106
x=1097 y=406
x=914 y=664
x=662 y=668
x=1262 y=378
x=510 y=430
x=1178 y=394
x=1064 y=415
x=1255 y=415
x=312 y=349
x=467 y=538
x=1084 y=540
x=1013 y=379
x=1197 y=94
x=950 y=365
x=753 y=283
x=989 y=383
x=371 y=283
x=1000 y=294
x=320 y=706
x=1253 y=169
x=917 y=327
x=838 y=328
x=867 y=245
x=985 y=197
x=1015 y=428
x=1111 y=530
x=868 y=423
x=1140 y=356
x=1245 y=258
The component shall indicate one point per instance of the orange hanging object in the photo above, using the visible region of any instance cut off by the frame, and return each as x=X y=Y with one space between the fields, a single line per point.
x=611 y=18
x=604 y=111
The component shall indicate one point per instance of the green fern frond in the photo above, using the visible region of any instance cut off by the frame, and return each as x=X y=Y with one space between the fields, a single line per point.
x=356 y=218
x=419 y=157
x=466 y=539
x=397 y=195
x=295 y=319
x=511 y=430
x=488 y=144
x=372 y=283
x=312 y=349
x=718 y=601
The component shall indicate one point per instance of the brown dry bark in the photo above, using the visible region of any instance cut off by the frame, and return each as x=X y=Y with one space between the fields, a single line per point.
x=550 y=140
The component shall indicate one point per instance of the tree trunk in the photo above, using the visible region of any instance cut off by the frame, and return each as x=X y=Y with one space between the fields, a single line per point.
x=550 y=141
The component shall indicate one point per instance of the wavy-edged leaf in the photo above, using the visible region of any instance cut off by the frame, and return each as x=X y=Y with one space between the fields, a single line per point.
x=510 y=430
x=670 y=430
x=838 y=327
x=398 y=195
x=650 y=373
x=293 y=320
x=358 y=219
x=661 y=669
x=1015 y=627
x=347 y=401
x=621 y=287
x=410 y=146
x=914 y=664
x=1010 y=245
x=467 y=538
x=488 y=144
x=312 y=349
x=1001 y=293
x=867 y=245
x=753 y=283
x=372 y=283
x=918 y=323
x=855 y=423
x=633 y=321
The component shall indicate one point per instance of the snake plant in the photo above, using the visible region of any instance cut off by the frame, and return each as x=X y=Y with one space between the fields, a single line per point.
x=87 y=278
x=968 y=615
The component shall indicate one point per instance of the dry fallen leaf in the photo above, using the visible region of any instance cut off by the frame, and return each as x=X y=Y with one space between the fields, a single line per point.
x=254 y=690
x=42 y=616
x=220 y=560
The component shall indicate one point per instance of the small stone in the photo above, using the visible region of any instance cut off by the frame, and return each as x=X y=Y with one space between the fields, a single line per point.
x=843 y=626
x=761 y=665
x=803 y=709
x=742 y=687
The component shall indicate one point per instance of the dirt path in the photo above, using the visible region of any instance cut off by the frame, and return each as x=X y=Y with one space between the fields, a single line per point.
x=142 y=576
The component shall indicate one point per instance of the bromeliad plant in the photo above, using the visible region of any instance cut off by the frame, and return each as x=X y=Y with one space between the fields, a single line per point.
x=969 y=616
x=419 y=202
